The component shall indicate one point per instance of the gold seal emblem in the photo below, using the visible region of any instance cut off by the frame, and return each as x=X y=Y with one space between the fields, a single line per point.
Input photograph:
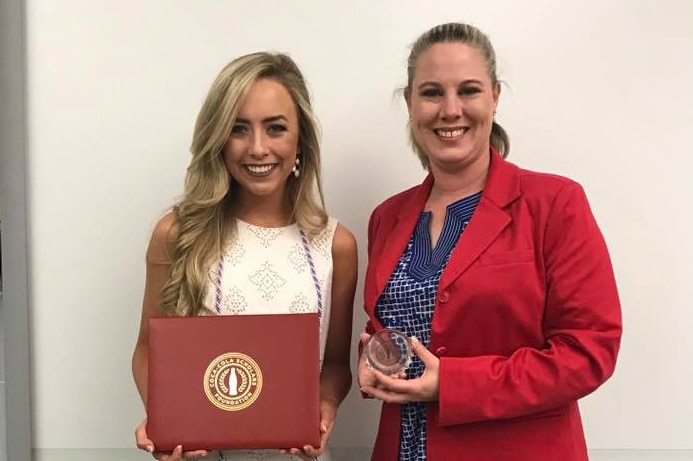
x=233 y=381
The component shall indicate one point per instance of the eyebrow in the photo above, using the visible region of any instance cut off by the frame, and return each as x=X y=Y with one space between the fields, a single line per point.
x=274 y=118
x=464 y=82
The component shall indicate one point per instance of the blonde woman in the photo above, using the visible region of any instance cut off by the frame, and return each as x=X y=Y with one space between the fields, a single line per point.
x=253 y=199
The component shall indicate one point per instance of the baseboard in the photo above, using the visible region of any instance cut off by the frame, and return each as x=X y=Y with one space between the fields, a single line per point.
x=346 y=454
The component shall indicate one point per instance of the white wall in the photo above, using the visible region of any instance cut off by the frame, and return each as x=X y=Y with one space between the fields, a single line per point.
x=599 y=91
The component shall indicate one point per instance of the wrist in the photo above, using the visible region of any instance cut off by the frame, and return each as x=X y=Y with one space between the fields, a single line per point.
x=330 y=400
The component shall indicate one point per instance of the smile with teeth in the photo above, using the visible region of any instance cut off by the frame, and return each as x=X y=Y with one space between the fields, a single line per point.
x=261 y=169
x=449 y=133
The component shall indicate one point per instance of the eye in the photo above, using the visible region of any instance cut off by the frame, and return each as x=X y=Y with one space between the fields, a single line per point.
x=469 y=90
x=239 y=129
x=276 y=128
x=431 y=92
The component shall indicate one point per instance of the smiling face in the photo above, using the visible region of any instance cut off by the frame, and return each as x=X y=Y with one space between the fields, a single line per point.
x=262 y=147
x=451 y=102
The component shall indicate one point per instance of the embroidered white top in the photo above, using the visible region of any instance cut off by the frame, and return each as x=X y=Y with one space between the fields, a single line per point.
x=267 y=271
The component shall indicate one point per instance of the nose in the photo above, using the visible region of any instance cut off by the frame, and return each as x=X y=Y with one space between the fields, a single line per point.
x=451 y=107
x=257 y=147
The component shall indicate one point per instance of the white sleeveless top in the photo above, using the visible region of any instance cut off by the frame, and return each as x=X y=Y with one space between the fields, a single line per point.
x=267 y=271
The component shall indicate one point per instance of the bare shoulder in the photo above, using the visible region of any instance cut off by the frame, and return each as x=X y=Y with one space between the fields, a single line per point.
x=163 y=239
x=344 y=242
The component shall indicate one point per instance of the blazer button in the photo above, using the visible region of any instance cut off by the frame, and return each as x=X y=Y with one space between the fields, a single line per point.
x=444 y=297
x=442 y=350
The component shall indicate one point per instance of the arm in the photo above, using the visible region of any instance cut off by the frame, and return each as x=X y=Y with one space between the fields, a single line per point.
x=335 y=377
x=373 y=225
x=364 y=376
x=582 y=326
x=158 y=269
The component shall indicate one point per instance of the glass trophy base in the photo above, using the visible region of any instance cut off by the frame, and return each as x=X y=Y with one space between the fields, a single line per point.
x=388 y=351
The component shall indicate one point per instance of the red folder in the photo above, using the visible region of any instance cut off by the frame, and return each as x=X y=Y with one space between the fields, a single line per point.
x=231 y=382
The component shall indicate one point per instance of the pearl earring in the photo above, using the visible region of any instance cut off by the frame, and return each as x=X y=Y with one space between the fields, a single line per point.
x=295 y=169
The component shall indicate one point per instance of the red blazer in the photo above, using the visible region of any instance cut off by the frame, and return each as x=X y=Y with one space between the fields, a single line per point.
x=527 y=319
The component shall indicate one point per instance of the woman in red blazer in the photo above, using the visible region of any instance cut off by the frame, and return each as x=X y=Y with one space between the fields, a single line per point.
x=499 y=274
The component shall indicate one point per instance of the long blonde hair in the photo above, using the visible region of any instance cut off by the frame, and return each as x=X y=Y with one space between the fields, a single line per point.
x=205 y=214
x=469 y=35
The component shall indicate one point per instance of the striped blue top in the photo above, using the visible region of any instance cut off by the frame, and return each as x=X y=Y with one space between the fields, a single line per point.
x=409 y=298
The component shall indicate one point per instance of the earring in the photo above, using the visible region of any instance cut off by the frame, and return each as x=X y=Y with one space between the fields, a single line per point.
x=296 y=169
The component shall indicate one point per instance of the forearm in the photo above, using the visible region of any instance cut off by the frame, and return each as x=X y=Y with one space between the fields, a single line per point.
x=530 y=381
x=140 y=360
x=335 y=382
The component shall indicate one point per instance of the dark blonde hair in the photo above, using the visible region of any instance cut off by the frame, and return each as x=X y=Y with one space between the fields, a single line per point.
x=205 y=215
x=469 y=35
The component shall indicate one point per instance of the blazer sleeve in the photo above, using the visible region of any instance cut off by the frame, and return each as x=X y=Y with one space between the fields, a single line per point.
x=582 y=327
x=373 y=225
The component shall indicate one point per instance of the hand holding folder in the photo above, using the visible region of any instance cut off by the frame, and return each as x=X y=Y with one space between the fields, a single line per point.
x=145 y=443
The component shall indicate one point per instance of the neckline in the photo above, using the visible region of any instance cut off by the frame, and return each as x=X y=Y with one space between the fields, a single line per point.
x=461 y=203
x=457 y=215
x=289 y=226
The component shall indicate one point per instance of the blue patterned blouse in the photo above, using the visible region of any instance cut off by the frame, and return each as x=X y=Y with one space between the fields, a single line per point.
x=409 y=298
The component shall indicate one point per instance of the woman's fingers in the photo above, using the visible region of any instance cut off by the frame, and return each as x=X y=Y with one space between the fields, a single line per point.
x=195 y=454
x=176 y=455
x=141 y=438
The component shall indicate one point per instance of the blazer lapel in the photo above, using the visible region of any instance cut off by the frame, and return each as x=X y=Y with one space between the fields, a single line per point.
x=487 y=222
x=489 y=218
x=398 y=230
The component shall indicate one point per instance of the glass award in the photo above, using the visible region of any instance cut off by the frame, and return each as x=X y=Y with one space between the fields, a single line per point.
x=388 y=351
